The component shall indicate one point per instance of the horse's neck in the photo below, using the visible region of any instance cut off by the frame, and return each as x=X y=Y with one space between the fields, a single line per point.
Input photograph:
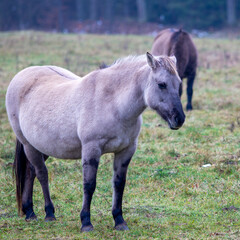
x=123 y=87
x=130 y=100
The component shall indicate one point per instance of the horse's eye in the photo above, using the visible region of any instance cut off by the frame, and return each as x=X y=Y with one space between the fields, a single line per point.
x=162 y=85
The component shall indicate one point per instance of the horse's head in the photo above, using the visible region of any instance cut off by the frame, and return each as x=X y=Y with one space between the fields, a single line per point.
x=162 y=93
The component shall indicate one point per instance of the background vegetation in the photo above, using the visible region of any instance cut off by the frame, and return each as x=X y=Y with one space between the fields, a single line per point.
x=60 y=15
x=169 y=194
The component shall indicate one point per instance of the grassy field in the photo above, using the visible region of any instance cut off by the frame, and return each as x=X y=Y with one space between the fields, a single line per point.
x=168 y=195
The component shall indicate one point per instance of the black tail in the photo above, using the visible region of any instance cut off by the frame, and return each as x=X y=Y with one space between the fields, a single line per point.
x=20 y=166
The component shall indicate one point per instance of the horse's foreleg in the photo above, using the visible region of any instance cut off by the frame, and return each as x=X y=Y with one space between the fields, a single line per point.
x=120 y=166
x=90 y=161
x=190 y=82
x=37 y=159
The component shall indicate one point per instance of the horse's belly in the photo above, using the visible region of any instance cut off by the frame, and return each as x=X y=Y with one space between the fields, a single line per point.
x=55 y=148
x=53 y=141
x=59 y=148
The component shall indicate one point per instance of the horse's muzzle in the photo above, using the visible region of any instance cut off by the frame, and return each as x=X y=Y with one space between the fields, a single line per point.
x=176 y=121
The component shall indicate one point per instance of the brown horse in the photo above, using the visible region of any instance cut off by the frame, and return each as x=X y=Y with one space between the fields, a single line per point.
x=179 y=43
x=55 y=113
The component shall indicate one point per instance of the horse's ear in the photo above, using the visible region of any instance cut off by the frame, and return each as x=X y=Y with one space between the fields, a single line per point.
x=152 y=61
x=174 y=59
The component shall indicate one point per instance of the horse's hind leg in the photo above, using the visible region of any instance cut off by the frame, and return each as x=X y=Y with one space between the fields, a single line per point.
x=37 y=159
x=25 y=174
x=190 y=82
x=120 y=166
x=27 y=203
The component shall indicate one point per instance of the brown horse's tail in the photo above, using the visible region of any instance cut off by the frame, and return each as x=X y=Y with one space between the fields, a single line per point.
x=20 y=166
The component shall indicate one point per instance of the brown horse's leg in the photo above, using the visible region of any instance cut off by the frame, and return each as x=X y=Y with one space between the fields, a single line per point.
x=37 y=159
x=180 y=89
x=190 y=82
x=90 y=160
x=120 y=166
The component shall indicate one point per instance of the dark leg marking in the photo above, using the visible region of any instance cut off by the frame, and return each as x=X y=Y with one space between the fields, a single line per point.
x=89 y=189
x=117 y=216
x=86 y=223
x=49 y=213
x=119 y=184
x=27 y=209
x=89 y=185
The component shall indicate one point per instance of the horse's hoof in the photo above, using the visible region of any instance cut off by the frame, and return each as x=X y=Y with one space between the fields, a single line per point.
x=32 y=217
x=122 y=227
x=88 y=228
x=50 y=219
x=189 y=108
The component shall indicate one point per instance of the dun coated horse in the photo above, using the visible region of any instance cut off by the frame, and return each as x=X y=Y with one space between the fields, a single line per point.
x=55 y=113
x=179 y=43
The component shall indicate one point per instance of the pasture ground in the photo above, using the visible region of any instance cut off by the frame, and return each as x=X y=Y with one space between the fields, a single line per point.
x=168 y=195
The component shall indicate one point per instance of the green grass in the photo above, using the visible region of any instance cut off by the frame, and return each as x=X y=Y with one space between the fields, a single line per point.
x=168 y=195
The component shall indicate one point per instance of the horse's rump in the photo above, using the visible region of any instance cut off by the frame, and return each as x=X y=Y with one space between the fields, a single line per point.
x=41 y=109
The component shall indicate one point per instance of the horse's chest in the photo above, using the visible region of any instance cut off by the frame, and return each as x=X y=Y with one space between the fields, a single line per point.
x=116 y=144
x=120 y=139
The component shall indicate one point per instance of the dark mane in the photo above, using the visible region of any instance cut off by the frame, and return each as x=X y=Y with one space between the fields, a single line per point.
x=175 y=40
x=176 y=36
x=103 y=65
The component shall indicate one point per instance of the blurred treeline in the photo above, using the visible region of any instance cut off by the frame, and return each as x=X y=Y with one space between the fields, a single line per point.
x=57 y=14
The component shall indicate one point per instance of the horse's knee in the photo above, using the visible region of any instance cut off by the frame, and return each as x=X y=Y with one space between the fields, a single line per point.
x=89 y=171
